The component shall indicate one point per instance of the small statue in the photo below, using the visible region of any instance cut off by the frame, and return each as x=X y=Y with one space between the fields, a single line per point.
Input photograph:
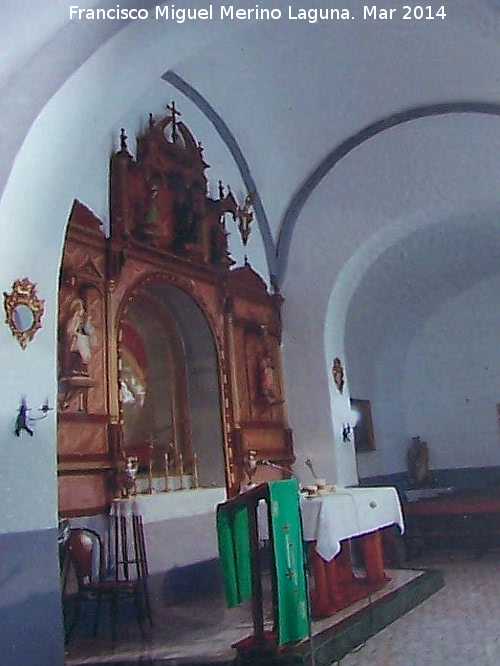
x=79 y=339
x=418 y=463
x=267 y=376
x=244 y=215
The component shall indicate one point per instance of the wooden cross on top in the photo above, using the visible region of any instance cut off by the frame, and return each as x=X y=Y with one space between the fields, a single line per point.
x=173 y=119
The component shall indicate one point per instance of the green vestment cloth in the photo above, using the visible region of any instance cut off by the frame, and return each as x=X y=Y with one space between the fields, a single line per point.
x=234 y=553
x=288 y=559
x=290 y=589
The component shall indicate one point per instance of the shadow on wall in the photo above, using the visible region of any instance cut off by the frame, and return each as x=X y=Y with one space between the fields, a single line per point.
x=192 y=582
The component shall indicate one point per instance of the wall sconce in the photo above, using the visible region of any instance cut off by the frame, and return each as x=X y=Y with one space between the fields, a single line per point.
x=348 y=426
x=346 y=432
x=24 y=421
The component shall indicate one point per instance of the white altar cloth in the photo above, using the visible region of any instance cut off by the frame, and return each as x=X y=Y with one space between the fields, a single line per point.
x=179 y=526
x=167 y=506
x=330 y=518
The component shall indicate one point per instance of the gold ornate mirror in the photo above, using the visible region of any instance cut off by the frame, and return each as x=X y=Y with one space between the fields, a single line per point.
x=23 y=310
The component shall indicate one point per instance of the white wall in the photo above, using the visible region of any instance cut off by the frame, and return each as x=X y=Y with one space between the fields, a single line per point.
x=451 y=384
x=444 y=386
x=427 y=230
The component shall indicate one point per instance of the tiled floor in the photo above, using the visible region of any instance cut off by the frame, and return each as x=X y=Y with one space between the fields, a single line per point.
x=190 y=630
x=458 y=625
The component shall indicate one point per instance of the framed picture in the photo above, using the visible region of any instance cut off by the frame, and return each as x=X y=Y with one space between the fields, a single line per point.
x=363 y=430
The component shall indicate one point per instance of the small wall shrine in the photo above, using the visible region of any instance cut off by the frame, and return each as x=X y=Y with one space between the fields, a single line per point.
x=169 y=356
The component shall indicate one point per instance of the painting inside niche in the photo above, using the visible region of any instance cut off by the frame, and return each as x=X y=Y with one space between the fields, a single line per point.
x=147 y=389
x=153 y=388
x=133 y=376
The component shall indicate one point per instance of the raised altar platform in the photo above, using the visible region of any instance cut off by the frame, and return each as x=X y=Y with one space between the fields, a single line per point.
x=170 y=642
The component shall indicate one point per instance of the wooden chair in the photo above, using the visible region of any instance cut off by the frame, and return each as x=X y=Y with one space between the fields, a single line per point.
x=86 y=554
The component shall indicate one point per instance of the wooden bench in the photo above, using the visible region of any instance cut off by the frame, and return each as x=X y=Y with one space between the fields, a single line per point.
x=468 y=519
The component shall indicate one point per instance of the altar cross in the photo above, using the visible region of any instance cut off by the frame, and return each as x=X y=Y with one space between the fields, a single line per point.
x=173 y=118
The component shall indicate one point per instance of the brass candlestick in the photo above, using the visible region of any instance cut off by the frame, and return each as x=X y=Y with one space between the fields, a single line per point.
x=196 y=481
x=129 y=476
x=181 y=471
x=166 y=473
x=250 y=465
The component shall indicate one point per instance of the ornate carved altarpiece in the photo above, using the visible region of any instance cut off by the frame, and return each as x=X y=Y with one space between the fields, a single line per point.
x=126 y=344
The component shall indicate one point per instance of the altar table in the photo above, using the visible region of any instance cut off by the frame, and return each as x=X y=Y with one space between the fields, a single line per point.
x=329 y=522
x=179 y=529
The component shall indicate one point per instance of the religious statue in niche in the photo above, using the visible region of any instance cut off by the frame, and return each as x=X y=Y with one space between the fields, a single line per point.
x=188 y=210
x=77 y=340
x=338 y=374
x=133 y=374
x=149 y=227
x=132 y=385
x=268 y=383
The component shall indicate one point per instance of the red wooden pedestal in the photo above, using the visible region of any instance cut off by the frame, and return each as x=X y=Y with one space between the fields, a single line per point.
x=335 y=585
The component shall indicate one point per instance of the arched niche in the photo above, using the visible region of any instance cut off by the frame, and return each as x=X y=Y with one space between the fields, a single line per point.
x=169 y=388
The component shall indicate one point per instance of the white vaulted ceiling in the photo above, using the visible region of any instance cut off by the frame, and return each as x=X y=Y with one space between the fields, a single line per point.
x=289 y=91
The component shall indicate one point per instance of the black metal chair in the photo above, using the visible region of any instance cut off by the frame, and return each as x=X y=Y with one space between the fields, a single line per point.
x=86 y=555
x=130 y=554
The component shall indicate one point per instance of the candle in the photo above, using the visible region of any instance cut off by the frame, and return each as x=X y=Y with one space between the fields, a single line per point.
x=166 y=472
x=196 y=482
x=181 y=471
